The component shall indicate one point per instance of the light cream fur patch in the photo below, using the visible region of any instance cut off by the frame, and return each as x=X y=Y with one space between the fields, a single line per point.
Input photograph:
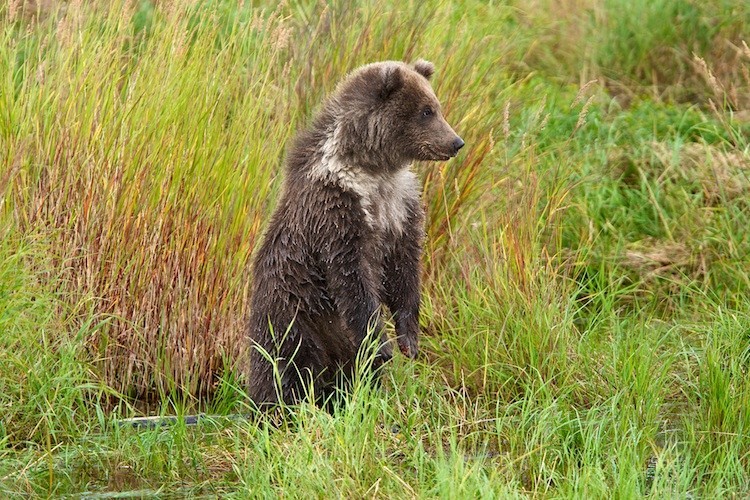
x=384 y=198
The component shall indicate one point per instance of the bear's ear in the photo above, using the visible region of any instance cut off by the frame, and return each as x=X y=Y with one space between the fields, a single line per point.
x=424 y=68
x=393 y=79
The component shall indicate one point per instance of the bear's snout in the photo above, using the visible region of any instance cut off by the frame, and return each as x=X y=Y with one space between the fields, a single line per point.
x=458 y=143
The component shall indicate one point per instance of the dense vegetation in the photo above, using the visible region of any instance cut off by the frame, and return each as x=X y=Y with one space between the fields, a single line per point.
x=587 y=272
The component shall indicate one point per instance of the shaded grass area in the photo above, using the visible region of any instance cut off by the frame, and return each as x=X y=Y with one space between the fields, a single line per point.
x=586 y=313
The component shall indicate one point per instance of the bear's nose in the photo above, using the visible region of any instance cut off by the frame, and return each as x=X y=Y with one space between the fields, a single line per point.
x=458 y=143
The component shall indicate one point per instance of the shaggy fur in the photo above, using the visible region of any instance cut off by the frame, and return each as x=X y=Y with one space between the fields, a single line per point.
x=346 y=235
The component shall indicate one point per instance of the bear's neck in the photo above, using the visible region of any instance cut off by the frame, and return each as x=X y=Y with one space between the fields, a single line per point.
x=340 y=145
x=349 y=168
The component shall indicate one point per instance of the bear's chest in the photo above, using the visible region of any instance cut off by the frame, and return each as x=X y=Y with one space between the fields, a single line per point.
x=387 y=200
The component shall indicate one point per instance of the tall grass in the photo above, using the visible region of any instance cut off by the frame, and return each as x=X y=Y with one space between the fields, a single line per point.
x=585 y=295
x=143 y=164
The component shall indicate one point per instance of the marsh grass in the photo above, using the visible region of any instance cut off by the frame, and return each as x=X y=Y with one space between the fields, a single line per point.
x=585 y=281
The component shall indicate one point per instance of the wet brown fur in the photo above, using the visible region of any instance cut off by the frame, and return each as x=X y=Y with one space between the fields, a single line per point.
x=346 y=235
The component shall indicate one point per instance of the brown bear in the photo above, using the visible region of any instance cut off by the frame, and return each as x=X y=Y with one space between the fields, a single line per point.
x=346 y=235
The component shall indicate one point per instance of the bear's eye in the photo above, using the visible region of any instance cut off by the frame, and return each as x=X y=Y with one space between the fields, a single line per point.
x=426 y=112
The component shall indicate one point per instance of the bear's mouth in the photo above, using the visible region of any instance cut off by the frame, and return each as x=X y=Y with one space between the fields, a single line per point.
x=440 y=156
x=447 y=156
x=434 y=154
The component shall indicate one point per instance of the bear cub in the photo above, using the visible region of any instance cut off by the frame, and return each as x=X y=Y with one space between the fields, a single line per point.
x=346 y=235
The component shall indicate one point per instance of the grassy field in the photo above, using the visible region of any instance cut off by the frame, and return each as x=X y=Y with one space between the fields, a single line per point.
x=586 y=320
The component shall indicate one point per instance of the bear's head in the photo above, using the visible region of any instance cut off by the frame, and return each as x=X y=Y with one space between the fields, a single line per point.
x=388 y=116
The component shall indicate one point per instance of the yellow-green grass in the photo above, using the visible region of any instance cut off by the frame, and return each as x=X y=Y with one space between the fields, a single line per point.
x=586 y=311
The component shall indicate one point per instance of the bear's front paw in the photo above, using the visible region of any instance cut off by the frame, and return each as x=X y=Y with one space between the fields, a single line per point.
x=385 y=353
x=409 y=345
